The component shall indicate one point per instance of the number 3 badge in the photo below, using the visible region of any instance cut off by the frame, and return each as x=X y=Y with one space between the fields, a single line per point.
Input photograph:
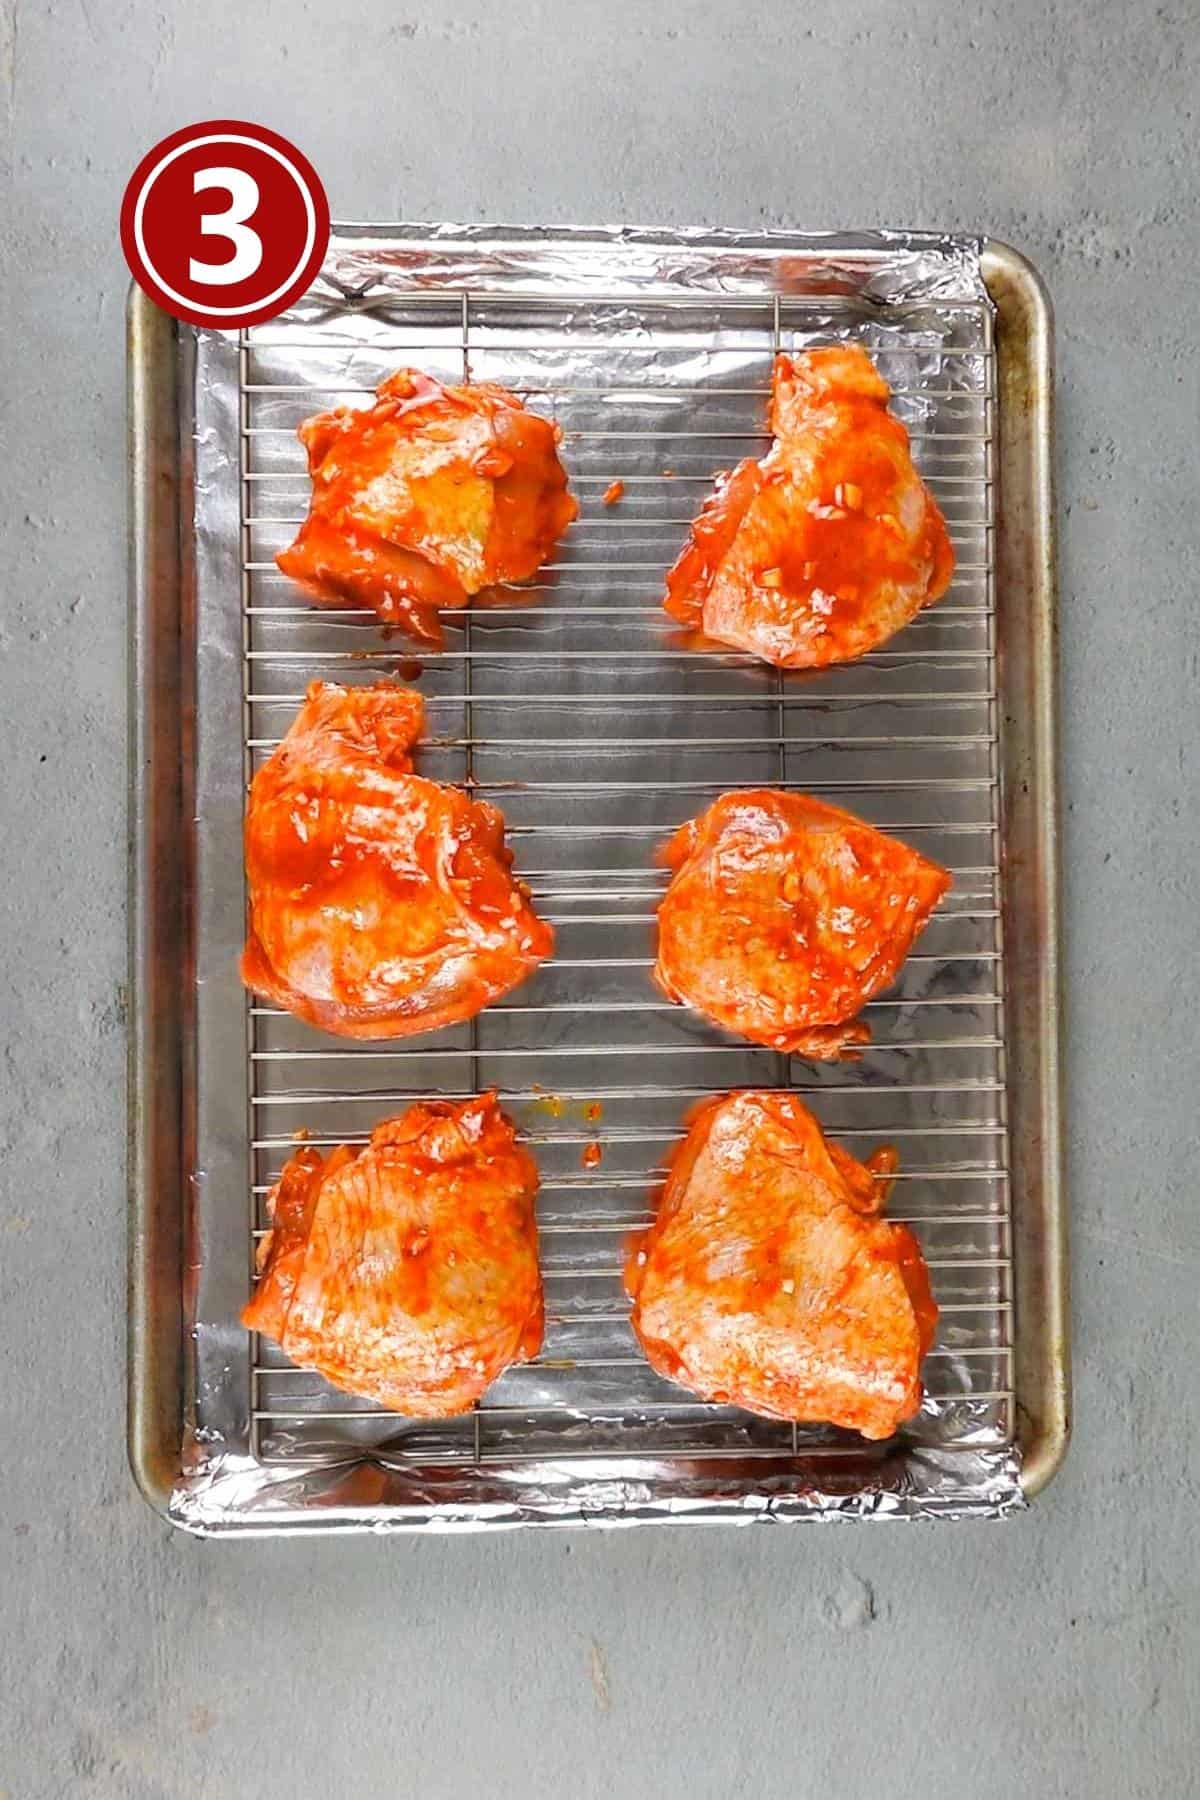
x=225 y=224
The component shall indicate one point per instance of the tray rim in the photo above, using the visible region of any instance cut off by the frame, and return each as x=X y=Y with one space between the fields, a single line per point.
x=1026 y=565
x=157 y=895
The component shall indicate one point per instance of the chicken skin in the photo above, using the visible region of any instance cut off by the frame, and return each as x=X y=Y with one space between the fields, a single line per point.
x=407 y=1271
x=825 y=548
x=381 y=904
x=768 y=1281
x=425 y=498
x=784 y=916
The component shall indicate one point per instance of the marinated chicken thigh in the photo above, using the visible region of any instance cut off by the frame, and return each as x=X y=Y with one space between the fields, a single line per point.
x=425 y=498
x=825 y=548
x=784 y=916
x=381 y=904
x=768 y=1281
x=407 y=1271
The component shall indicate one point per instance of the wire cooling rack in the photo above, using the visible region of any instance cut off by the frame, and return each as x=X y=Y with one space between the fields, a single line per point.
x=575 y=709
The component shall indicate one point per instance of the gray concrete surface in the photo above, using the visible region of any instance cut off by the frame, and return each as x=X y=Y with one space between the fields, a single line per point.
x=1054 y=1656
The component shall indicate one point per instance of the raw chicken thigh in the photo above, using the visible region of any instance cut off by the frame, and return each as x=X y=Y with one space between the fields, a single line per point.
x=381 y=904
x=427 y=497
x=768 y=1280
x=785 y=916
x=407 y=1271
x=825 y=548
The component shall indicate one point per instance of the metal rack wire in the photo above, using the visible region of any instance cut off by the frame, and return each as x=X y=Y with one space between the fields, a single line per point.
x=598 y=734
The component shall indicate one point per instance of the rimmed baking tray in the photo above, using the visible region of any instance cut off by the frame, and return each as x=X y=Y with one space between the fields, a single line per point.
x=577 y=711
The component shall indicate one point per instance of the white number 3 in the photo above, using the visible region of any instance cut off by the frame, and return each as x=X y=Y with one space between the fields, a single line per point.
x=247 y=245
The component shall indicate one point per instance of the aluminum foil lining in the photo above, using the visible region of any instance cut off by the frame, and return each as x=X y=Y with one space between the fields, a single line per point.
x=576 y=711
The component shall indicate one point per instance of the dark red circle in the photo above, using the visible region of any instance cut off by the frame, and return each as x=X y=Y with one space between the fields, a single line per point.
x=163 y=215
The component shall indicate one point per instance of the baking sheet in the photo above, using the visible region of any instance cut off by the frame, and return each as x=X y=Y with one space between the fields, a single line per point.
x=577 y=711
